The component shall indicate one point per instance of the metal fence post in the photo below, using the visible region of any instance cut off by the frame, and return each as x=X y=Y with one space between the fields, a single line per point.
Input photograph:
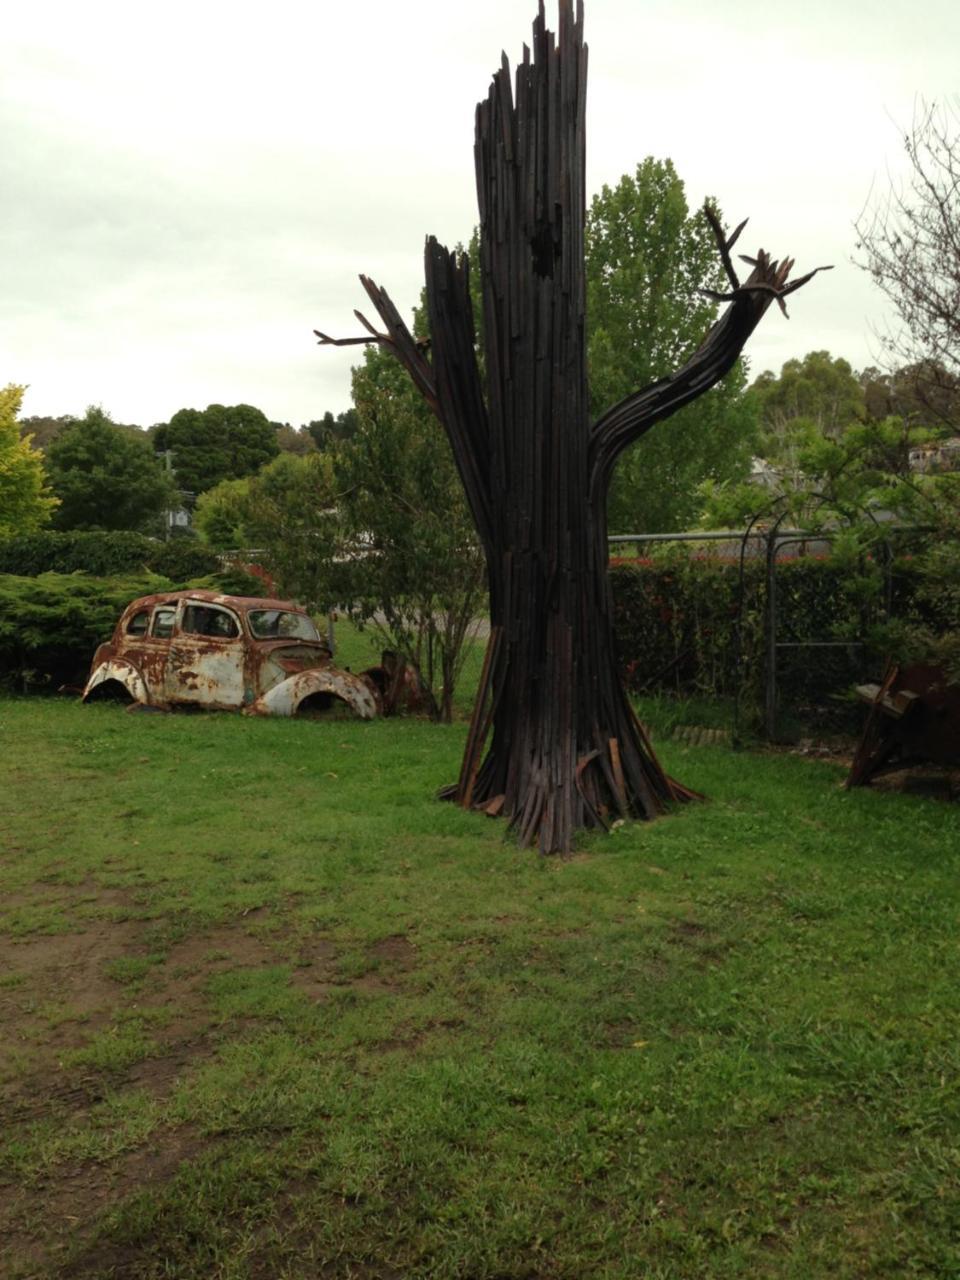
x=770 y=674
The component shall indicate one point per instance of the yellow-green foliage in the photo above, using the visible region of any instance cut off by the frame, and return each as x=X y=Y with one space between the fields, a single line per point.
x=25 y=503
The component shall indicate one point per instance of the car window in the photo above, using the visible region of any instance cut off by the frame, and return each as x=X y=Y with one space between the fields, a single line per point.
x=272 y=624
x=139 y=623
x=209 y=620
x=163 y=622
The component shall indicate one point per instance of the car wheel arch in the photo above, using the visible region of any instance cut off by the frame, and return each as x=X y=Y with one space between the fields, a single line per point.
x=119 y=673
x=289 y=696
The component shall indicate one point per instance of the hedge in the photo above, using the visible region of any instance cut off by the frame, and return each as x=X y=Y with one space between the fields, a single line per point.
x=104 y=555
x=51 y=624
x=680 y=621
x=61 y=595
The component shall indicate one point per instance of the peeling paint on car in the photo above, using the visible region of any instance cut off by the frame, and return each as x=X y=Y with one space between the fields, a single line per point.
x=197 y=648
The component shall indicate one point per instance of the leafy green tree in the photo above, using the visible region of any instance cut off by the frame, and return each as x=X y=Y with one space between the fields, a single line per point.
x=106 y=477
x=855 y=485
x=294 y=439
x=288 y=510
x=938 y=504
x=375 y=522
x=25 y=502
x=819 y=396
x=925 y=393
x=837 y=448
x=415 y=570
x=327 y=432
x=221 y=442
x=646 y=259
x=842 y=481
x=220 y=514
x=43 y=429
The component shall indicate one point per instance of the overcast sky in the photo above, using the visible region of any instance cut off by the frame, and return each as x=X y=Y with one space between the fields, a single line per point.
x=189 y=189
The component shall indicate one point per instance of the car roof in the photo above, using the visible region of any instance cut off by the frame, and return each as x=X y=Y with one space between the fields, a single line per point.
x=213 y=597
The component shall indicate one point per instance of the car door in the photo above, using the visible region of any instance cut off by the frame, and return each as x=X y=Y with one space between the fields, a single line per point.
x=205 y=666
x=147 y=645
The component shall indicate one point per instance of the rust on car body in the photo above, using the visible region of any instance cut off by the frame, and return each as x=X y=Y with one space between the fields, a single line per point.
x=198 y=648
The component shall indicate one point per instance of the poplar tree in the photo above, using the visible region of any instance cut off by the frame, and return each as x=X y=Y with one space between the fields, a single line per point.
x=25 y=502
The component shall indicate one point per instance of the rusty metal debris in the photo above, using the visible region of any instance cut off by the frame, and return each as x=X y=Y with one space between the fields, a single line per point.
x=399 y=686
x=260 y=655
x=914 y=719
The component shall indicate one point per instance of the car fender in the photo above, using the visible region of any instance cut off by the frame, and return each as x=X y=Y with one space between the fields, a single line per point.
x=284 y=699
x=124 y=673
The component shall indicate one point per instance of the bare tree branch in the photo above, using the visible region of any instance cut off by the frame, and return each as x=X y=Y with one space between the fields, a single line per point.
x=910 y=245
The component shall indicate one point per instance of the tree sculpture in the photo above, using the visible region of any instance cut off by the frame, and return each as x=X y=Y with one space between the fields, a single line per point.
x=565 y=747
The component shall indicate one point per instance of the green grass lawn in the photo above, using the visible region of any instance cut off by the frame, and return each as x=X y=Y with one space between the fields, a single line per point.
x=270 y=1010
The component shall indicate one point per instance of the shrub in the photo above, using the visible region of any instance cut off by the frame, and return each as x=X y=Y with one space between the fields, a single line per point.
x=232 y=581
x=99 y=553
x=51 y=624
x=181 y=559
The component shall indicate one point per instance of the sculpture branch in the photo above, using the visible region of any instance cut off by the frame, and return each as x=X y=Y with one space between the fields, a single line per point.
x=410 y=351
x=723 y=243
x=327 y=341
x=636 y=414
x=774 y=282
x=463 y=409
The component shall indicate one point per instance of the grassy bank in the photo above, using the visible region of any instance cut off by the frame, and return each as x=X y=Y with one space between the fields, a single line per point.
x=269 y=1010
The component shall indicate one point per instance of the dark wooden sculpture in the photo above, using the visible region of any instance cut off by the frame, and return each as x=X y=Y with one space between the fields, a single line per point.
x=565 y=747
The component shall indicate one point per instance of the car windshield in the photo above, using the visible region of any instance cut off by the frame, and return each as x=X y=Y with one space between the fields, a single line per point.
x=273 y=624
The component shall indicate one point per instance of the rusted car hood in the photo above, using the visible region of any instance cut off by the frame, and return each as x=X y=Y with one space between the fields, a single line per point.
x=295 y=655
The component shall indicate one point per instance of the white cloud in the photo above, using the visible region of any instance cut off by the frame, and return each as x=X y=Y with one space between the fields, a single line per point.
x=191 y=189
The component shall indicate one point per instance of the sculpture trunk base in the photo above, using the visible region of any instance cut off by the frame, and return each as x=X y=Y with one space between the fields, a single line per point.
x=554 y=744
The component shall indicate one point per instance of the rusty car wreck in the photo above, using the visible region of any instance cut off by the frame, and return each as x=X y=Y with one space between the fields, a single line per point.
x=219 y=652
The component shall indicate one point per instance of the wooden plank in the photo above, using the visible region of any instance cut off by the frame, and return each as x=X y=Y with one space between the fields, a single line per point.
x=621 y=787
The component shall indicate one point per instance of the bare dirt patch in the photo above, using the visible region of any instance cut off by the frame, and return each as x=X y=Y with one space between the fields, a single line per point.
x=71 y=894
x=315 y=972
x=922 y=780
x=62 y=990
x=688 y=929
x=705 y=946
x=195 y=958
x=392 y=958
x=396 y=951
x=619 y=1035
x=57 y=989
x=40 y=1221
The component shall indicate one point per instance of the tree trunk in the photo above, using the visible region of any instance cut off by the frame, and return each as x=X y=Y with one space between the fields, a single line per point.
x=566 y=749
